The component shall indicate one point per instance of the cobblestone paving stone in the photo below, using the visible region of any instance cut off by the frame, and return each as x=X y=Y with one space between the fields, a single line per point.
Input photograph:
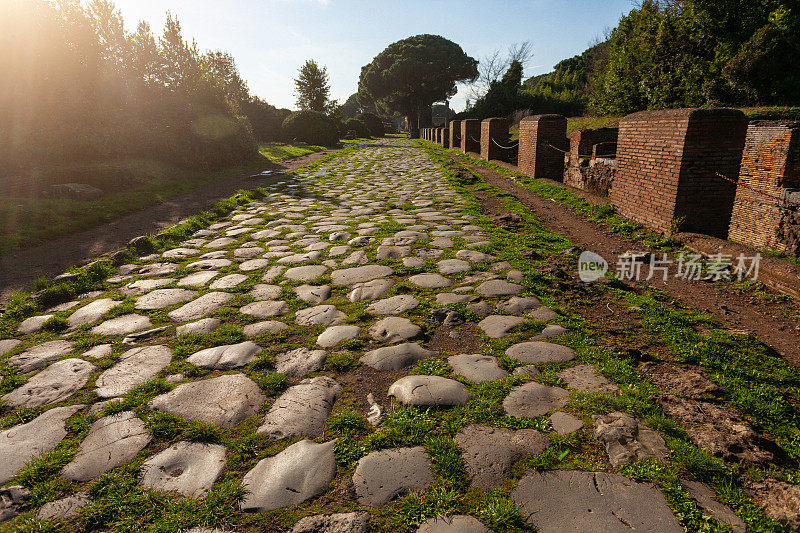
x=375 y=256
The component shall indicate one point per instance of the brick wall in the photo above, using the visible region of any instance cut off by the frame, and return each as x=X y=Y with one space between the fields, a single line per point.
x=668 y=164
x=494 y=132
x=537 y=158
x=770 y=163
x=437 y=136
x=471 y=135
x=455 y=134
x=446 y=137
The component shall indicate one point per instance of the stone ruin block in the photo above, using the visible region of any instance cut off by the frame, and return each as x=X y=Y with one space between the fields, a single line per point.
x=542 y=142
x=763 y=215
x=445 y=137
x=494 y=136
x=455 y=134
x=679 y=165
x=471 y=135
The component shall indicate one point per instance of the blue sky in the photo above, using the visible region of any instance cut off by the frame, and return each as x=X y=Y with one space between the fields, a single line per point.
x=270 y=39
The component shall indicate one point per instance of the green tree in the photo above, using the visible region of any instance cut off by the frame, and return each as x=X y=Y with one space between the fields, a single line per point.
x=410 y=75
x=312 y=88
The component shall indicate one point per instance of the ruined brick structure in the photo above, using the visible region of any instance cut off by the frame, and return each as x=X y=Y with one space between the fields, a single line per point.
x=455 y=134
x=764 y=215
x=679 y=165
x=437 y=135
x=494 y=135
x=537 y=136
x=591 y=162
x=445 y=137
x=471 y=135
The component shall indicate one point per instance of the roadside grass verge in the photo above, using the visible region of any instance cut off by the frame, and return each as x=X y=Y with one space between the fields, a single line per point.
x=277 y=151
x=26 y=219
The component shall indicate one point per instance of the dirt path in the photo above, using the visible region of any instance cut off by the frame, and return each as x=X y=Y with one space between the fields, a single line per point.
x=769 y=322
x=19 y=269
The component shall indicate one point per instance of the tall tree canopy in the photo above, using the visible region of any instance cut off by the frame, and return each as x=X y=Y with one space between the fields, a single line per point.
x=696 y=52
x=312 y=89
x=410 y=75
x=76 y=88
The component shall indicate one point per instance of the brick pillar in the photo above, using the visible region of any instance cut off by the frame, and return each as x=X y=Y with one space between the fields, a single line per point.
x=537 y=136
x=669 y=165
x=471 y=135
x=455 y=134
x=494 y=132
x=770 y=163
x=446 y=137
x=425 y=133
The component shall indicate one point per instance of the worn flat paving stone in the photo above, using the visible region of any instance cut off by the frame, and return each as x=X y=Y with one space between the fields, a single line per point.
x=476 y=368
x=53 y=384
x=429 y=390
x=302 y=410
x=453 y=524
x=122 y=325
x=91 y=312
x=394 y=329
x=188 y=468
x=301 y=471
x=394 y=305
x=557 y=501
x=540 y=352
x=333 y=523
x=227 y=356
x=23 y=443
x=40 y=355
x=111 y=441
x=395 y=357
x=534 y=399
x=382 y=476
x=361 y=274
x=223 y=401
x=489 y=452
x=161 y=298
x=136 y=366
x=198 y=308
x=334 y=335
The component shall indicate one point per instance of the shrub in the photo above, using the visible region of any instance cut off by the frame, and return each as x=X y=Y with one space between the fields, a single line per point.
x=311 y=127
x=373 y=122
x=356 y=125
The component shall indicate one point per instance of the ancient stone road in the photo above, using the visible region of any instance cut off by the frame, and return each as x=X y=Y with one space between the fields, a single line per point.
x=358 y=260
